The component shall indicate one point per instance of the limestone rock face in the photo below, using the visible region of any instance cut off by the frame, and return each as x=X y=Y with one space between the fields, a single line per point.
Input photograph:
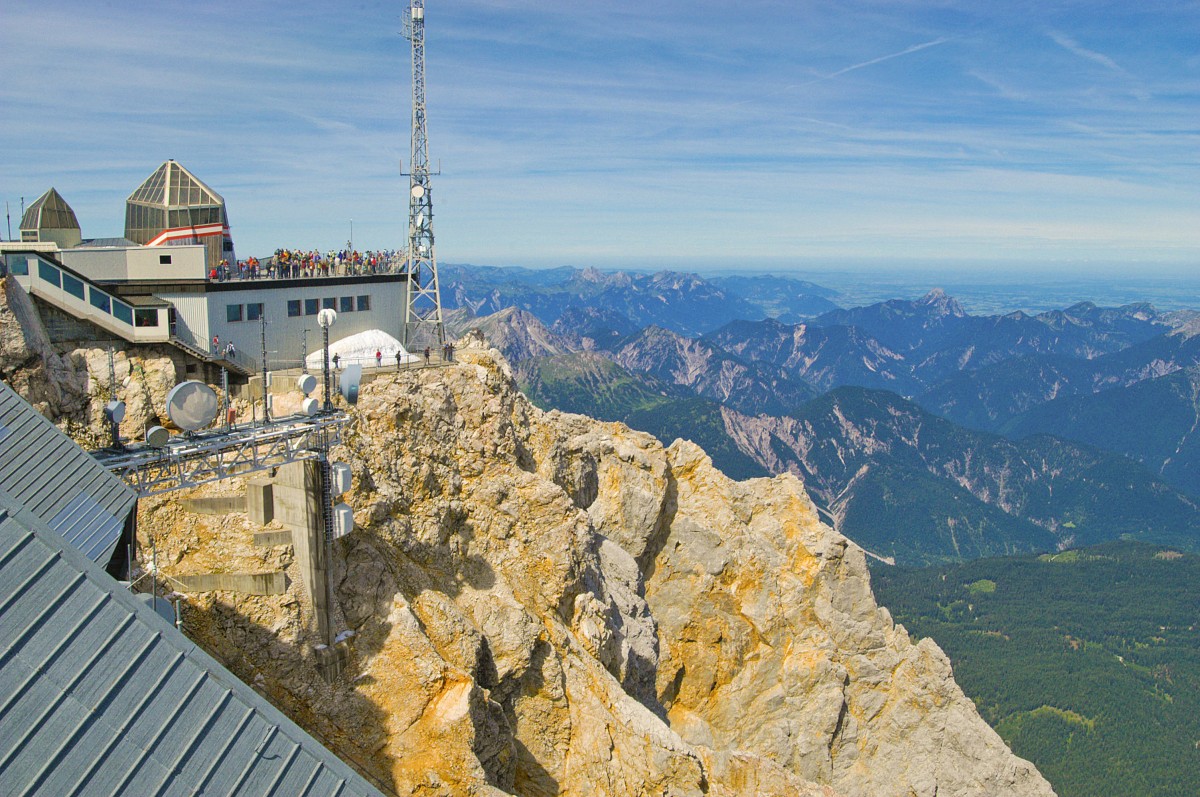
x=544 y=604
x=70 y=383
x=28 y=363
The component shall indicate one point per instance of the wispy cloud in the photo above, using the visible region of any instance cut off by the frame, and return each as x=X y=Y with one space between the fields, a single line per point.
x=916 y=48
x=1070 y=45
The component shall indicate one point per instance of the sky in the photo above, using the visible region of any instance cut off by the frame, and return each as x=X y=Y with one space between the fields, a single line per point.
x=791 y=134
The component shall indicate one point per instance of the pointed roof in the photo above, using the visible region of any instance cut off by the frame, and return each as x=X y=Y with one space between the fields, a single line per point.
x=49 y=212
x=171 y=185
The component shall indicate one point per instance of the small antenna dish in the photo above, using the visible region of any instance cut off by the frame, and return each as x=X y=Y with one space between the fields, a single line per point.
x=418 y=191
x=343 y=520
x=192 y=405
x=327 y=318
x=157 y=437
x=339 y=478
x=348 y=382
x=310 y=407
x=306 y=384
x=115 y=411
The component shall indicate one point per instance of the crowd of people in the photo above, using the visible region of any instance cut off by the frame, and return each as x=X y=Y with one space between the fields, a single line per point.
x=292 y=263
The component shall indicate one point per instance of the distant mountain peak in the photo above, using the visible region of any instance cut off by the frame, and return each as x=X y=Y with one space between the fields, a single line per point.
x=944 y=304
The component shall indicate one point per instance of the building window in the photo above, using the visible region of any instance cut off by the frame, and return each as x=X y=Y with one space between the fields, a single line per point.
x=364 y=303
x=48 y=273
x=164 y=260
x=328 y=303
x=145 y=318
x=227 y=246
x=233 y=312
x=293 y=308
x=123 y=312
x=254 y=311
x=310 y=306
x=346 y=304
x=100 y=300
x=72 y=285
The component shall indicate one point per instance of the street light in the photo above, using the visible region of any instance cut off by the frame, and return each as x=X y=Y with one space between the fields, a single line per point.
x=325 y=319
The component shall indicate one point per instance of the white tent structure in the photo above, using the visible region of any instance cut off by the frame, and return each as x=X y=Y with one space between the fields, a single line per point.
x=361 y=348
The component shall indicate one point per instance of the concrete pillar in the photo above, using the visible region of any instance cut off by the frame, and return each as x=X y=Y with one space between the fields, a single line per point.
x=297 y=504
x=260 y=501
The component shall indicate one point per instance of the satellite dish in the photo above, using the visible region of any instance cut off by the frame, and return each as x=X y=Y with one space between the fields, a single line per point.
x=326 y=318
x=306 y=384
x=192 y=405
x=310 y=406
x=348 y=382
x=157 y=437
x=343 y=520
x=339 y=478
x=418 y=191
x=115 y=411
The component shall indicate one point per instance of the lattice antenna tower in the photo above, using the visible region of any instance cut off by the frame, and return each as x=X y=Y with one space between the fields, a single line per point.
x=423 y=305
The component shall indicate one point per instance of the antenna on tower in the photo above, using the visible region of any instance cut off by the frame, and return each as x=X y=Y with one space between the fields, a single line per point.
x=423 y=305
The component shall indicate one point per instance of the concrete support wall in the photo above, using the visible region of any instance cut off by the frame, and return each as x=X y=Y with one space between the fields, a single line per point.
x=246 y=583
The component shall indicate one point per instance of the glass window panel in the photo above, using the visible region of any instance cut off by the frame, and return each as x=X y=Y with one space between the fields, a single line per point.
x=99 y=300
x=310 y=306
x=48 y=273
x=233 y=313
x=293 y=308
x=144 y=317
x=346 y=304
x=254 y=311
x=122 y=312
x=19 y=265
x=364 y=303
x=328 y=303
x=72 y=286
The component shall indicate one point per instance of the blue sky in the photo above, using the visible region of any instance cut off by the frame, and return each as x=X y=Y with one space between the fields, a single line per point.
x=1033 y=134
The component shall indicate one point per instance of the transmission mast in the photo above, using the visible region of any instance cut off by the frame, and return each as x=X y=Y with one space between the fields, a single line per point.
x=423 y=305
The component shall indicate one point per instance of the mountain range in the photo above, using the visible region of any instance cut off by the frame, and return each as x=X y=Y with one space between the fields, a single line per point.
x=921 y=431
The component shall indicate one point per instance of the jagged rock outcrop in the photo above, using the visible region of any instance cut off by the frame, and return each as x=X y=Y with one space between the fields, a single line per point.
x=546 y=604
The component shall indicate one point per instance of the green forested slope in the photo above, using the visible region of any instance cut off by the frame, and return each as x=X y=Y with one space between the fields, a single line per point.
x=1087 y=662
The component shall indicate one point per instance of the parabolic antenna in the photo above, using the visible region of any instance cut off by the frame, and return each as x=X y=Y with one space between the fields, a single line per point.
x=418 y=191
x=157 y=437
x=348 y=382
x=192 y=405
x=115 y=411
x=307 y=384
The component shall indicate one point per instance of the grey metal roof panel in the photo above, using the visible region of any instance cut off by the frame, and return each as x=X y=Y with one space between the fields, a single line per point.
x=99 y=695
x=59 y=482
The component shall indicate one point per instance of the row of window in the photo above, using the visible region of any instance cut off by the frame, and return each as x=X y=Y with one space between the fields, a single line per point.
x=300 y=307
x=233 y=312
x=343 y=304
x=142 y=317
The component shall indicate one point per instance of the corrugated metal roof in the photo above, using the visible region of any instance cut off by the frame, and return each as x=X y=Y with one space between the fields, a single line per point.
x=59 y=482
x=99 y=695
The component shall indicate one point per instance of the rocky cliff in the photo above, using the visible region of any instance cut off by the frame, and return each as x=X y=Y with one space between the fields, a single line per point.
x=546 y=604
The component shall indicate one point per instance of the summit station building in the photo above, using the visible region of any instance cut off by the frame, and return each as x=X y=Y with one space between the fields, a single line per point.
x=160 y=283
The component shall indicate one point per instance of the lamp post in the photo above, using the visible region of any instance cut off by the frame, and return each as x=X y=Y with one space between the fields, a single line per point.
x=325 y=319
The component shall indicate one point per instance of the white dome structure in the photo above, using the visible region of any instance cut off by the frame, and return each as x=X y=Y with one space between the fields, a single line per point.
x=360 y=349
